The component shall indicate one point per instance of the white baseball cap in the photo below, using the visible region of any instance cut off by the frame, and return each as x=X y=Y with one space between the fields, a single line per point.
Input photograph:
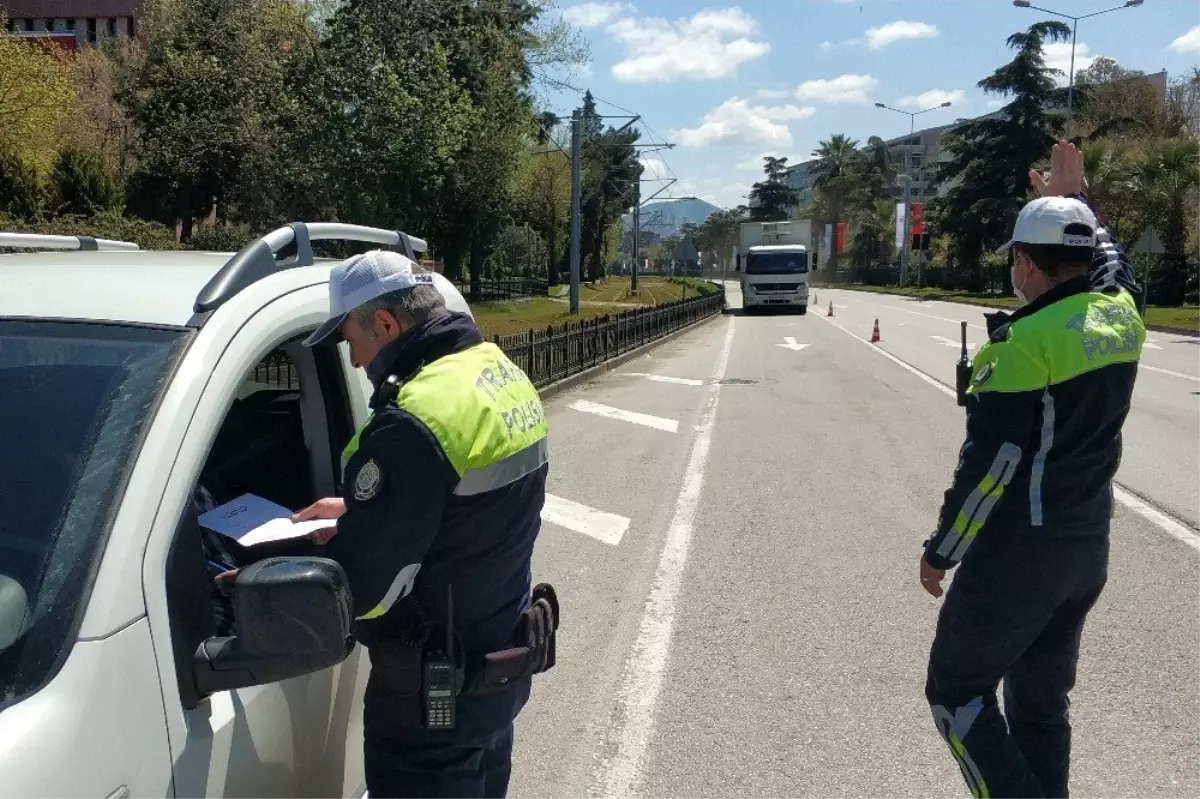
x=1054 y=220
x=362 y=278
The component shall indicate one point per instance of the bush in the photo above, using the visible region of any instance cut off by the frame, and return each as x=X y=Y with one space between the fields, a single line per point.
x=20 y=194
x=81 y=185
x=106 y=225
x=221 y=239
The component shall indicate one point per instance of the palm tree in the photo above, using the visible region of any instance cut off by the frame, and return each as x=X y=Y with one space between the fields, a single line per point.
x=833 y=178
x=1109 y=166
x=1166 y=180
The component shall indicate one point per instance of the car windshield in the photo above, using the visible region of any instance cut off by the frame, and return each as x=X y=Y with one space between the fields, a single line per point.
x=777 y=263
x=74 y=398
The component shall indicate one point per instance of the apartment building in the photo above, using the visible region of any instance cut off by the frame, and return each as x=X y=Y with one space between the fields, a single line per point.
x=90 y=22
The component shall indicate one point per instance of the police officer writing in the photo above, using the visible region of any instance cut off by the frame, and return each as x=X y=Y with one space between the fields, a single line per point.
x=442 y=493
x=1028 y=513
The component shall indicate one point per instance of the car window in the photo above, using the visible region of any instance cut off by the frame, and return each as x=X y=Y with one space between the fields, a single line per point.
x=74 y=398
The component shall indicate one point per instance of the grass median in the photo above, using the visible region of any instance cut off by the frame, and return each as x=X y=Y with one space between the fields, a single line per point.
x=613 y=297
x=1183 y=318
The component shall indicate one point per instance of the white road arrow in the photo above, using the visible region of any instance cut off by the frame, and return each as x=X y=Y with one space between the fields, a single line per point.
x=790 y=344
x=949 y=342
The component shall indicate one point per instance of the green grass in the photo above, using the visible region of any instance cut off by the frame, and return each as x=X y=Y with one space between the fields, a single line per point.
x=1184 y=318
x=518 y=316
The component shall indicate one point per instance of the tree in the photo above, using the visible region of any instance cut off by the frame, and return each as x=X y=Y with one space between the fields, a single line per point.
x=1114 y=101
x=610 y=171
x=208 y=99
x=1183 y=104
x=102 y=126
x=82 y=185
x=773 y=198
x=1167 y=180
x=721 y=232
x=988 y=172
x=20 y=192
x=835 y=177
x=36 y=97
x=542 y=196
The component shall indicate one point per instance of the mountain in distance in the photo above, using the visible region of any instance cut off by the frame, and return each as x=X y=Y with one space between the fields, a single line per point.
x=666 y=217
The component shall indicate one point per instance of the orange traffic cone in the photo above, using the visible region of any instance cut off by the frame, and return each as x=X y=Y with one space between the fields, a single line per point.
x=830 y=313
x=816 y=299
x=875 y=339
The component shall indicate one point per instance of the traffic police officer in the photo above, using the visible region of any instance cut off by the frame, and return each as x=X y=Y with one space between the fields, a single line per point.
x=1028 y=512
x=441 y=499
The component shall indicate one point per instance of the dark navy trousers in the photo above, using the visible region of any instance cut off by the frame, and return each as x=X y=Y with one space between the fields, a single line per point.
x=1014 y=612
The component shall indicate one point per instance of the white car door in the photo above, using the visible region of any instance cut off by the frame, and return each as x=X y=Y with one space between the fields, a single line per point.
x=299 y=737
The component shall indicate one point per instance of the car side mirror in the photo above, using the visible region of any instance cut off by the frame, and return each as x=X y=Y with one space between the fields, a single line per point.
x=293 y=617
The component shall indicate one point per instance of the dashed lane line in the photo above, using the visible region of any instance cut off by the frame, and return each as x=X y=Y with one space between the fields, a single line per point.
x=608 y=411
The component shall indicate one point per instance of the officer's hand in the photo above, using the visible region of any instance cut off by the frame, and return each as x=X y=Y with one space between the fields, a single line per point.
x=931 y=578
x=328 y=508
x=1066 y=172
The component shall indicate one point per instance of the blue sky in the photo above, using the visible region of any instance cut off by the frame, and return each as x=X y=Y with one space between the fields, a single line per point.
x=729 y=83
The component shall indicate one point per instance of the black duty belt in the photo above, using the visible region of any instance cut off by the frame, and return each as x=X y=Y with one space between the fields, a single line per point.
x=533 y=654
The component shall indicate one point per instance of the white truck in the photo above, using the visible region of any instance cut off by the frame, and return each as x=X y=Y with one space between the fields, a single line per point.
x=773 y=259
x=128 y=380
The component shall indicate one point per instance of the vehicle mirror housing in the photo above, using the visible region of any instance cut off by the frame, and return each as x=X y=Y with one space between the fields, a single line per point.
x=293 y=617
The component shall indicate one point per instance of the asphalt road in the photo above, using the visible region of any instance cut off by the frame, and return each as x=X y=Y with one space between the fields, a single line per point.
x=736 y=550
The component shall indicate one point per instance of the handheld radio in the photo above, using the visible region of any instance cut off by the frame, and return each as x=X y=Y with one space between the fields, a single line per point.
x=439 y=672
x=963 y=370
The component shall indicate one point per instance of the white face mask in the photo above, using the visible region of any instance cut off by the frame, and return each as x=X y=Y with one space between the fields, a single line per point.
x=1018 y=290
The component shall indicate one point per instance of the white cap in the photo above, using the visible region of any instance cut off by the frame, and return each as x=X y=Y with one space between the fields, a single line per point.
x=1046 y=219
x=358 y=280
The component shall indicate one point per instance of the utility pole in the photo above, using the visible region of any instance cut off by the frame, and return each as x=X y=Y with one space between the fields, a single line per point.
x=637 y=232
x=576 y=123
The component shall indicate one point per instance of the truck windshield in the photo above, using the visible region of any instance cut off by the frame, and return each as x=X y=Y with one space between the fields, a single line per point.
x=776 y=263
x=74 y=398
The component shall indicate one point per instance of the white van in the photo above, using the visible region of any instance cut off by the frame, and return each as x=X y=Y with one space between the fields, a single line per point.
x=128 y=381
x=775 y=275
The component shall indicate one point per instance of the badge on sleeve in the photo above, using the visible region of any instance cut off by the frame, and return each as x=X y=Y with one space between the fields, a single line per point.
x=368 y=480
x=983 y=374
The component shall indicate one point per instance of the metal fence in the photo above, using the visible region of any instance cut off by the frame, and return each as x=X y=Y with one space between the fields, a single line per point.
x=559 y=352
x=504 y=288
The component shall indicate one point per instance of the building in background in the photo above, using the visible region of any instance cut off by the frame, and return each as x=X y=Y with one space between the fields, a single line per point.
x=799 y=177
x=87 y=22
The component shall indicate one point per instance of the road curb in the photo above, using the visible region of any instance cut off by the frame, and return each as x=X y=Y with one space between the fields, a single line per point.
x=1179 y=331
x=568 y=383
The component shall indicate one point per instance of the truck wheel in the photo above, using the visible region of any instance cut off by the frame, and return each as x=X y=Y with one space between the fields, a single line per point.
x=803 y=310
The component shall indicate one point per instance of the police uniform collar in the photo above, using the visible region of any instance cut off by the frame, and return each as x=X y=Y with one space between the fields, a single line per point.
x=1068 y=288
x=434 y=338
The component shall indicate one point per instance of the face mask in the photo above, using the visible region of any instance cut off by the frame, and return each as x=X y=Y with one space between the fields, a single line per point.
x=1018 y=290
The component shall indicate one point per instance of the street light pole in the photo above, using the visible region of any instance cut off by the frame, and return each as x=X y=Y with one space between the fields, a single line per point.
x=912 y=126
x=1074 y=30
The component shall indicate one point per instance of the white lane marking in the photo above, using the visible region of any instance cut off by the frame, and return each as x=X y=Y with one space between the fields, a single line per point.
x=929 y=315
x=657 y=422
x=1156 y=517
x=642 y=679
x=1168 y=372
x=608 y=528
x=790 y=344
x=949 y=342
x=1150 y=344
x=1164 y=522
x=682 y=381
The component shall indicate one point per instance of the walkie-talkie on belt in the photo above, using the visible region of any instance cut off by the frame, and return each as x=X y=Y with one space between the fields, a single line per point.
x=963 y=373
x=439 y=676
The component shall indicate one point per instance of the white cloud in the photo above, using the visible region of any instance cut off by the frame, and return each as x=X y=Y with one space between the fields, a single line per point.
x=842 y=89
x=711 y=44
x=654 y=169
x=736 y=121
x=933 y=97
x=1188 y=42
x=772 y=94
x=1058 y=56
x=996 y=103
x=593 y=15
x=896 y=31
x=826 y=45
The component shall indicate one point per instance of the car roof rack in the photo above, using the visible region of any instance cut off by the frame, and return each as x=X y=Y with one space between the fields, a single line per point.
x=290 y=247
x=38 y=241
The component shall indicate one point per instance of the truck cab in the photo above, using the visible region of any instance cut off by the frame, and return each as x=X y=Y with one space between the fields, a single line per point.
x=131 y=384
x=775 y=276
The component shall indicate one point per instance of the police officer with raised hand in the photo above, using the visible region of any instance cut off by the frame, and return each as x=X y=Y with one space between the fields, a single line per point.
x=1029 y=510
x=442 y=493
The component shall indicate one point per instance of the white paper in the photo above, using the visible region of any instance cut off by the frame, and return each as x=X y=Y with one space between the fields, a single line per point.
x=252 y=520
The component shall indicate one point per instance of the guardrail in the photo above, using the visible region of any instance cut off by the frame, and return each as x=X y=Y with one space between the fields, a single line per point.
x=507 y=288
x=556 y=353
